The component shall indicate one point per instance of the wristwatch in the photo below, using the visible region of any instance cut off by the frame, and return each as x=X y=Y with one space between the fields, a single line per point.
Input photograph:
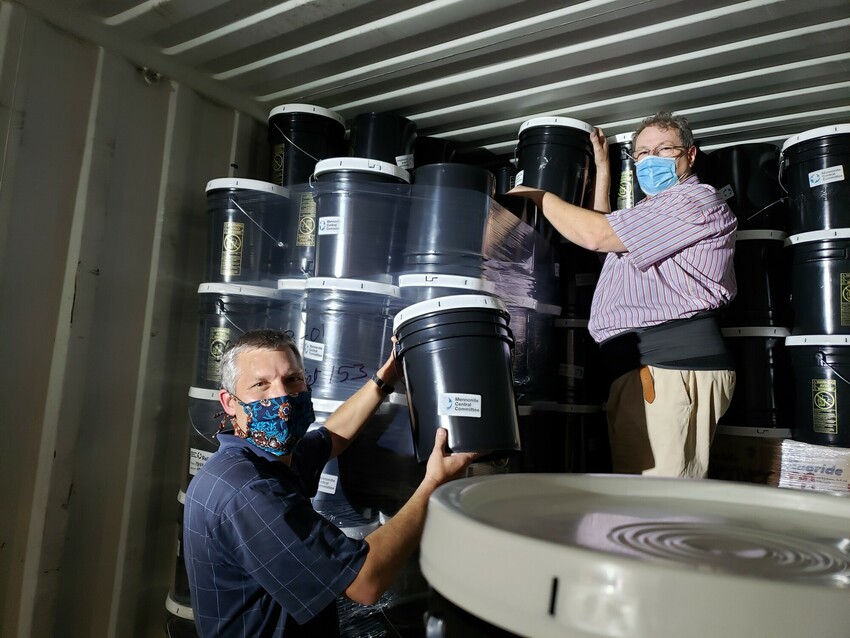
x=386 y=388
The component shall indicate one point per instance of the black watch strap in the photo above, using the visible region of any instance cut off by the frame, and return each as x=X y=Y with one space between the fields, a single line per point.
x=383 y=387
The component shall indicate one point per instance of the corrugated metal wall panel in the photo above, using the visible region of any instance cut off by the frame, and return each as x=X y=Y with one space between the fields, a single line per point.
x=104 y=215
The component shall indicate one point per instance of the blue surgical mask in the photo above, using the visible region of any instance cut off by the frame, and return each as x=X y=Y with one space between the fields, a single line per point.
x=655 y=174
x=276 y=425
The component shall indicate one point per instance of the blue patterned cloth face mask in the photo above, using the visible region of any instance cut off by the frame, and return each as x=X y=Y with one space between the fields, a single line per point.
x=276 y=425
x=655 y=174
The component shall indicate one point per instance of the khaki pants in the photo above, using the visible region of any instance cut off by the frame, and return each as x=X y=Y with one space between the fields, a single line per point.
x=663 y=425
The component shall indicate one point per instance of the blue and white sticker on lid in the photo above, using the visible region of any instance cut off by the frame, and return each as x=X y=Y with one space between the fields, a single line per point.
x=240 y=183
x=452 y=302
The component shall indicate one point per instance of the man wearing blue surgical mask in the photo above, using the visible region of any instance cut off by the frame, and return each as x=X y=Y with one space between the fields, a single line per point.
x=667 y=270
x=260 y=560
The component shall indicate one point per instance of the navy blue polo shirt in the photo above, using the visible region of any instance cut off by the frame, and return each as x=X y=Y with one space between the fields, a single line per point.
x=260 y=560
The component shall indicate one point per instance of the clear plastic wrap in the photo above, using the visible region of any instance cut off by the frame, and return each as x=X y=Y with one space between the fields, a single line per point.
x=815 y=467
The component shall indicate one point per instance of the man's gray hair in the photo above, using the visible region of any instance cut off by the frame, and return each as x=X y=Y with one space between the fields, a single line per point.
x=666 y=121
x=253 y=340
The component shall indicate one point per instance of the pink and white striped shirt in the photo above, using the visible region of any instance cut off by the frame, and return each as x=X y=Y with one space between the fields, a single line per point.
x=679 y=261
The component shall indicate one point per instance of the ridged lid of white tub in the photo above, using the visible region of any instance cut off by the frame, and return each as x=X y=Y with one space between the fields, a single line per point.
x=743 y=235
x=306 y=108
x=292 y=283
x=818 y=235
x=238 y=290
x=624 y=137
x=818 y=340
x=355 y=285
x=229 y=183
x=452 y=302
x=556 y=120
x=361 y=165
x=554 y=555
x=760 y=433
x=823 y=131
x=442 y=281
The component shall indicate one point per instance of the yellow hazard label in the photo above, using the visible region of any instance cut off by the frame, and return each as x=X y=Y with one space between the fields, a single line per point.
x=232 y=235
x=824 y=406
x=277 y=163
x=306 y=235
x=219 y=339
x=844 y=283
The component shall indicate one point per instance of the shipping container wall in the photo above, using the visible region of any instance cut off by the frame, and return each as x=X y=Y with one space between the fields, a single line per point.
x=102 y=246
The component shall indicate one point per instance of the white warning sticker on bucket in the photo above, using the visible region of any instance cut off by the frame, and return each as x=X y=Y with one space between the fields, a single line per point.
x=327 y=483
x=453 y=404
x=518 y=178
x=197 y=458
x=727 y=192
x=313 y=350
x=404 y=161
x=826 y=176
x=330 y=225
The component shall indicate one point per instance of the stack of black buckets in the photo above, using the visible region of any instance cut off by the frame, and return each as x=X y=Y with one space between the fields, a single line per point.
x=344 y=247
x=789 y=326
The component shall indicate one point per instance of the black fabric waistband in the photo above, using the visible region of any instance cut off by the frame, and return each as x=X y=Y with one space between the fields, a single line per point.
x=695 y=343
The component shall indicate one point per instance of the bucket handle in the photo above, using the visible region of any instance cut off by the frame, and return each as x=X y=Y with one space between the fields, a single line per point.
x=783 y=161
x=293 y=143
x=764 y=208
x=220 y=306
x=821 y=359
x=277 y=242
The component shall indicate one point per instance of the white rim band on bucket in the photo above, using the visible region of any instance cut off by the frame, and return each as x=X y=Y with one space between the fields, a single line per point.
x=292 y=283
x=238 y=290
x=453 y=302
x=743 y=235
x=762 y=433
x=766 y=331
x=175 y=608
x=240 y=183
x=556 y=121
x=571 y=323
x=353 y=285
x=818 y=340
x=306 y=108
x=823 y=131
x=619 y=138
x=361 y=165
x=203 y=393
x=442 y=281
x=818 y=235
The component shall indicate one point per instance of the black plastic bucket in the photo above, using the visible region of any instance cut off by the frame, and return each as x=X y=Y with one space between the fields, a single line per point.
x=287 y=312
x=456 y=355
x=746 y=176
x=387 y=137
x=449 y=209
x=625 y=190
x=301 y=135
x=416 y=288
x=178 y=601
x=361 y=208
x=565 y=438
x=432 y=150
x=555 y=154
x=532 y=326
x=820 y=282
x=299 y=255
x=578 y=371
x=821 y=370
x=203 y=425
x=246 y=230
x=332 y=499
x=763 y=390
x=227 y=311
x=762 y=273
x=347 y=334
x=578 y=273
x=815 y=171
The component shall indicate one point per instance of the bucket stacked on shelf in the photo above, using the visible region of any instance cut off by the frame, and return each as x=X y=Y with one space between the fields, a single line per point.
x=815 y=168
x=247 y=235
x=747 y=445
x=362 y=214
x=387 y=137
x=625 y=190
x=300 y=135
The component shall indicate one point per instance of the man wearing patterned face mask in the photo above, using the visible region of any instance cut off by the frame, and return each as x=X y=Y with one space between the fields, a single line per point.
x=667 y=270
x=260 y=560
